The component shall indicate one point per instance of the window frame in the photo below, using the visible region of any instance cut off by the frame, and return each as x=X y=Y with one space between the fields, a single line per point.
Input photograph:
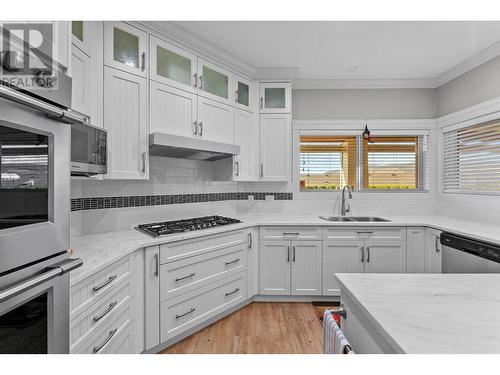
x=354 y=127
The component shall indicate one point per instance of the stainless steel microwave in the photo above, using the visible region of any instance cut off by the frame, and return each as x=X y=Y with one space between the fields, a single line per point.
x=88 y=150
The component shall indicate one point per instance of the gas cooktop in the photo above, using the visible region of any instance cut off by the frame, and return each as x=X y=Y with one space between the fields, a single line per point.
x=186 y=225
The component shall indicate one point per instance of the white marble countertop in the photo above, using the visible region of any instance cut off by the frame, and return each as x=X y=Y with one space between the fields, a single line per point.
x=100 y=250
x=430 y=313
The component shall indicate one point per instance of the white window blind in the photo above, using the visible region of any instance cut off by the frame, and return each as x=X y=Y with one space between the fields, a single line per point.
x=327 y=162
x=395 y=163
x=472 y=159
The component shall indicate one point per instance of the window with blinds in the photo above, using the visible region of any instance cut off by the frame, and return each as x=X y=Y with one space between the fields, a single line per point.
x=327 y=162
x=384 y=163
x=397 y=162
x=472 y=159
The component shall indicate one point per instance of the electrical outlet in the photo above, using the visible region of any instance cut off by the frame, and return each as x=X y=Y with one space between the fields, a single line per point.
x=269 y=197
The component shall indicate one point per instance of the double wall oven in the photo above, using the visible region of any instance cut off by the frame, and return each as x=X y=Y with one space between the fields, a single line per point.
x=34 y=225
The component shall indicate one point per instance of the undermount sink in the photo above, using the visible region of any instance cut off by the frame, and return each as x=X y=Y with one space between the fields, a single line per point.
x=368 y=218
x=336 y=218
x=354 y=218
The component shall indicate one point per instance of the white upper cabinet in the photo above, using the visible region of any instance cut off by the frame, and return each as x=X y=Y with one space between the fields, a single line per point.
x=243 y=93
x=246 y=134
x=215 y=121
x=215 y=82
x=81 y=95
x=275 y=97
x=275 y=135
x=125 y=48
x=125 y=118
x=173 y=65
x=172 y=110
x=81 y=36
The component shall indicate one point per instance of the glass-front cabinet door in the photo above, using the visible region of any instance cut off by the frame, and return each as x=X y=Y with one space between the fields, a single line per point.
x=242 y=93
x=215 y=82
x=275 y=97
x=80 y=35
x=125 y=48
x=173 y=65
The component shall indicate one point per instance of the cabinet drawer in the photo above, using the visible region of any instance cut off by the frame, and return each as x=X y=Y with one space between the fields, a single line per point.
x=184 y=312
x=101 y=312
x=188 y=274
x=86 y=292
x=290 y=233
x=383 y=233
x=183 y=249
x=109 y=336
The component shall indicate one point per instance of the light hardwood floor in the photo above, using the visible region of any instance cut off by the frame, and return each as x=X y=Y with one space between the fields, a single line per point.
x=259 y=328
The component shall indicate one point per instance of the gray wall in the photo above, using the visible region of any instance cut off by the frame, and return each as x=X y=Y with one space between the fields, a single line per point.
x=476 y=86
x=364 y=103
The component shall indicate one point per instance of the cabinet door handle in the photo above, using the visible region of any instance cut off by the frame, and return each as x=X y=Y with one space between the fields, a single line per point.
x=362 y=254
x=436 y=244
x=157 y=265
x=288 y=253
x=106 y=312
x=143 y=61
x=195 y=128
x=261 y=102
x=368 y=254
x=97 y=349
x=236 y=96
x=261 y=169
x=191 y=310
x=201 y=82
x=293 y=259
x=185 y=277
x=250 y=239
x=195 y=84
x=232 y=262
x=200 y=124
x=143 y=157
x=231 y=293
x=107 y=282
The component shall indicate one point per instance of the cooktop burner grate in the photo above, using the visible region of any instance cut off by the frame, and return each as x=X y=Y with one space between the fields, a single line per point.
x=186 y=225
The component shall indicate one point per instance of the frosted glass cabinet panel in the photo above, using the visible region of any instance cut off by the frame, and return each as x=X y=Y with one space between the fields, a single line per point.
x=215 y=82
x=275 y=97
x=243 y=93
x=173 y=66
x=125 y=48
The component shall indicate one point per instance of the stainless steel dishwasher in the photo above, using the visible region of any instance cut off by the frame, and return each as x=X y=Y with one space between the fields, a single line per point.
x=466 y=255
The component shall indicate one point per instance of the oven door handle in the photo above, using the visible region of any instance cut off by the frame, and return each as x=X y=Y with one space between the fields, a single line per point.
x=50 y=273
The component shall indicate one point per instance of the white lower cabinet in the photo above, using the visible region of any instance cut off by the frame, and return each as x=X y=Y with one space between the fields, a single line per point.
x=360 y=250
x=125 y=119
x=252 y=247
x=290 y=267
x=416 y=249
x=433 y=255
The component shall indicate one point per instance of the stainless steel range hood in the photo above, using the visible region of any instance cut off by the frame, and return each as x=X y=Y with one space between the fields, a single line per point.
x=176 y=146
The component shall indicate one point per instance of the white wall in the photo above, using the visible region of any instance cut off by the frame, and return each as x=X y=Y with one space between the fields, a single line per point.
x=370 y=103
x=476 y=86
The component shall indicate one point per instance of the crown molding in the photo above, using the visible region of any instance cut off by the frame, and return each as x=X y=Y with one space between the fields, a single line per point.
x=284 y=72
x=201 y=46
x=469 y=64
x=325 y=84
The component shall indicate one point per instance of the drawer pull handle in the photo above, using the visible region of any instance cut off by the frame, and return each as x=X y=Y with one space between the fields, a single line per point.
x=108 y=310
x=97 y=349
x=185 y=277
x=232 y=262
x=231 y=293
x=290 y=233
x=192 y=310
x=107 y=282
x=362 y=232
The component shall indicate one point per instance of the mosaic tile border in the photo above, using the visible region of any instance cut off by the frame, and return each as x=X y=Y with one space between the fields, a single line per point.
x=97 y=203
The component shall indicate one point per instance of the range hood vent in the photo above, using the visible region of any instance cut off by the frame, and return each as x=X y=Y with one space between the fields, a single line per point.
x=175 y=146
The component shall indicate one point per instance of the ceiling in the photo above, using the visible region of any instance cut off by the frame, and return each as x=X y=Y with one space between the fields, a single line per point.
x=350 y=50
